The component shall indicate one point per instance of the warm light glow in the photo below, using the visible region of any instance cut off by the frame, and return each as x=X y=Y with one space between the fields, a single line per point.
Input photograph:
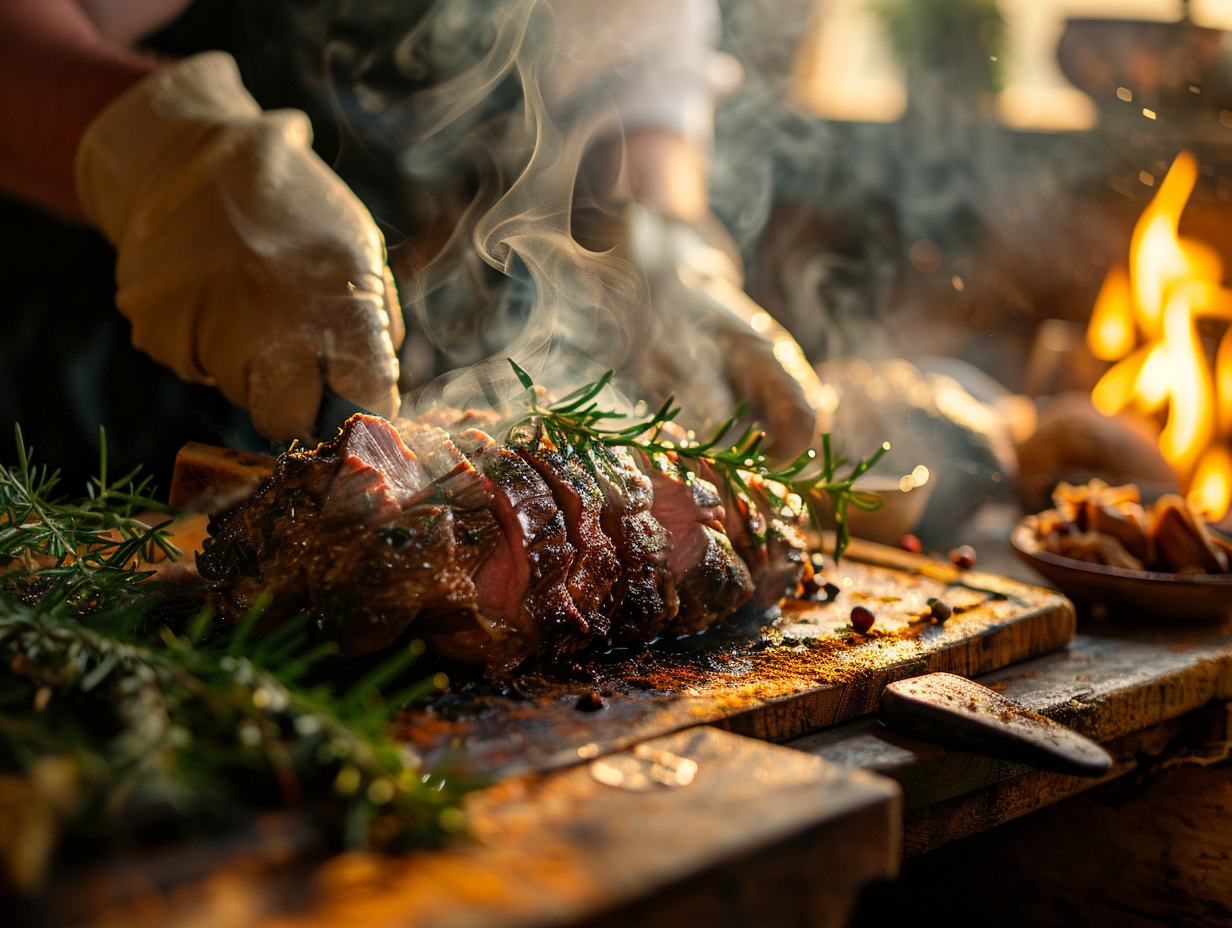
x=1111 y=335
x=1171 y=284
x=844 y=69
x=1153 y=381
x=1191 y=420
x=1223 y=385
x=1046 y=109
x=1211 y=488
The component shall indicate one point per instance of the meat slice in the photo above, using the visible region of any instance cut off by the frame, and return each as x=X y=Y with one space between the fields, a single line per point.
x=353 y=533
x=522 y=588
x=643 y=600
x=785 y=544
x=596 y=565
x=765 y=528
x=711 y=580
x=499 y=552
x=452 y=473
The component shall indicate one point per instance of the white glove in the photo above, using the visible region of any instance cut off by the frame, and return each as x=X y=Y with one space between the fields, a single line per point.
x=243 y=260
x=713 y=346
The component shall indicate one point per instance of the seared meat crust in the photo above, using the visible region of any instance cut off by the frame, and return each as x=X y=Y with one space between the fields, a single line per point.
x=596 y=564
x=496 y=553
x=352 y=534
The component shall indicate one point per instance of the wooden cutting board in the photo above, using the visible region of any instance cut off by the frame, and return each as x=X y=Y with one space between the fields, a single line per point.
x=770 y=679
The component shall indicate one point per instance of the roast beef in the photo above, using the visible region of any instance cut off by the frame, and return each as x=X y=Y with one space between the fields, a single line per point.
x=496 y=552
x=352 y=534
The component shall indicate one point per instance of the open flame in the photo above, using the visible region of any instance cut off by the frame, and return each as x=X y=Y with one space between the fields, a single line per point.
x=1146 y=320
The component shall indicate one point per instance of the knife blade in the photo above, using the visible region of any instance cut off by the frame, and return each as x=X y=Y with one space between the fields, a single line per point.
x=333 y=412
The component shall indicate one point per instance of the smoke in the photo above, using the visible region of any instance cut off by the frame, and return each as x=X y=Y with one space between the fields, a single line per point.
x=479 y=107
x=473 y=101
x=826 y=212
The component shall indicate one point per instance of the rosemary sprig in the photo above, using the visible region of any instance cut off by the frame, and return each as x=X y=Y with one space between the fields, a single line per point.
x=192 y=727
x=578 y=422
x=82 y=552
x=144 y=708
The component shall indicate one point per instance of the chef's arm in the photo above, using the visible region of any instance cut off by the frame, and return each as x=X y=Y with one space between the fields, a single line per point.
x=242 y=260
x=656 y=62
x=57 y=73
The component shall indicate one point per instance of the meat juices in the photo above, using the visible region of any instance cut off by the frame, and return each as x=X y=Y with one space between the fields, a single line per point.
x=497 y=552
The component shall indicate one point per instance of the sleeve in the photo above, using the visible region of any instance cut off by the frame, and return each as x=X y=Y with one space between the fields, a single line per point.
x=126 y=21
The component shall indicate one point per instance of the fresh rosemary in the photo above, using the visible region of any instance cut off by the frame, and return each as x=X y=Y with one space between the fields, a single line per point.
x=578 y=422
x=123 y=703
x=79 y=552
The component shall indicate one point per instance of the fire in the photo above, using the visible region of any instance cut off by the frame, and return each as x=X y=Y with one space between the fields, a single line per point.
x=1146 y=320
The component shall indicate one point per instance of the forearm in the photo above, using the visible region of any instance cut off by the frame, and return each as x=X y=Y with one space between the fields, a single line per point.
x=56 y=74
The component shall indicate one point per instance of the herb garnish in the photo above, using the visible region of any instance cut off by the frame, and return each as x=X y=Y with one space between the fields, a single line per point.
x=577 y=422
x=122 y=704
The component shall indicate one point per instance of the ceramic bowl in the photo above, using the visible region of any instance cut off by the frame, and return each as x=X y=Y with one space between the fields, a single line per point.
x=1180 y=598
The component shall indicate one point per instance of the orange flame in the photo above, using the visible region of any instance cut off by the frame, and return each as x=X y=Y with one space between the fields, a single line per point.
x=1146 y=320
x=1112 y=335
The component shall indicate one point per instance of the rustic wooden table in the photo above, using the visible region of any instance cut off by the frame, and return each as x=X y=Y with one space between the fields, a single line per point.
x=713 y=827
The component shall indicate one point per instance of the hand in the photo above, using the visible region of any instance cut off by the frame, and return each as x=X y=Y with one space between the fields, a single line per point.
x=713 y=346
x=243 y=260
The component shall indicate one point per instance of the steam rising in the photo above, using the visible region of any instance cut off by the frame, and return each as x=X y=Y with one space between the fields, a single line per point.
x=490 y=149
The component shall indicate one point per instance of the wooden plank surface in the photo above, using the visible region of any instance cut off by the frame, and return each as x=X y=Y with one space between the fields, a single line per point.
x=557 y=848
x=1145 y=852
x=1134 y=688
x=772 y=680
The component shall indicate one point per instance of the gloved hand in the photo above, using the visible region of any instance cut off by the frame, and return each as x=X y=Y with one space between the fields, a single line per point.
x=243 y=260
x=712 y=346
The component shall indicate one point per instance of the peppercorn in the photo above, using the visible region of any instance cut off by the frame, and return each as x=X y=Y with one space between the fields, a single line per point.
x=862 y=619
x=810 y=586
x=590 y=702
x=910 y=543
x=939 y=610
x=816 y=590
x=963 y=557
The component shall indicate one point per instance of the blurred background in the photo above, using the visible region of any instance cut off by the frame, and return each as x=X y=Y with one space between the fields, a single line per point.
x=951 y=188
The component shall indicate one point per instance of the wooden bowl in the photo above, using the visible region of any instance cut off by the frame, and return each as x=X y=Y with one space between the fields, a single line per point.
x=1179 y=598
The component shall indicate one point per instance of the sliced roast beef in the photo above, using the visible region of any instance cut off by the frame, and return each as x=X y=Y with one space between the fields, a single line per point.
x=523 y=587
x=786 y=547
x=499 y=552
x=643 y=598
x=580 y=500
x=743 y=523
x=351 y=533
x=451 y=471
x=765 y=528
x=711 y=580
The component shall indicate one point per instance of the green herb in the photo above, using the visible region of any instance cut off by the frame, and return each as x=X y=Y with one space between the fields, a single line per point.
x=577 y=422
x=121 y=705
x=80 y=552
